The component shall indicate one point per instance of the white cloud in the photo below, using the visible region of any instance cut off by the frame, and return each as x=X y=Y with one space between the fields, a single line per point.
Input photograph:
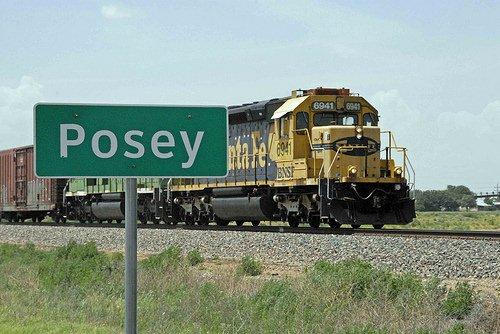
x=16 y=112
x=114 y=12
x=450 y=147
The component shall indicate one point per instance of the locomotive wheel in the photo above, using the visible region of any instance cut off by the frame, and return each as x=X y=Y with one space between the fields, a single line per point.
x=203 y=220
x=293 y=221
x=63 y=219
x=355 y=225
x=333 y=223
x=40 y=218
x=239 y=223
x=189 y=220
x=57 y=219
x=255 y=223
x=90 y=220
x=81 y=220
x=155 y=220
x=221 y=222
x=378 y=226
x=314 y=221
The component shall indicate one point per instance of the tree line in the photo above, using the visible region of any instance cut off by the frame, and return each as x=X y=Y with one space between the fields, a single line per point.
x=449 y=199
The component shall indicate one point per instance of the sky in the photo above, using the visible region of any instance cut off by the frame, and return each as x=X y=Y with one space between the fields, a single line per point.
x=432 y=69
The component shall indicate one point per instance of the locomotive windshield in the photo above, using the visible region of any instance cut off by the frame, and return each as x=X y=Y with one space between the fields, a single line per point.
x=330 y=118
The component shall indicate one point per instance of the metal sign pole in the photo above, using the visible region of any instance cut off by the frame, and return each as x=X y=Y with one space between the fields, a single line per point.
x=130 y=256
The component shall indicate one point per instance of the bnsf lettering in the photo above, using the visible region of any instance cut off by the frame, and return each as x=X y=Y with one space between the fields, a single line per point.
x=285 y=172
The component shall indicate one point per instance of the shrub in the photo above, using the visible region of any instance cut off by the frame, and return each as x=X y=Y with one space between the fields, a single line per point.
x=194 y=257
x=249 y=267
x=75 y=265
x=459 y=301
x=169 y=258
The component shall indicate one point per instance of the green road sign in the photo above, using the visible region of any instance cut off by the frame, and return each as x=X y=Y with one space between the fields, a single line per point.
x=78 y=140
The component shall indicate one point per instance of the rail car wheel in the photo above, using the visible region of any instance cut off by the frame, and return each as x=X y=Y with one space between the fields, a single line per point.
x=355 y=225
x=378 y=226
x=110 y=221
x=255 y=223
x=40 y=218
x=118 y=221
x=314 y=221
x=239 y=223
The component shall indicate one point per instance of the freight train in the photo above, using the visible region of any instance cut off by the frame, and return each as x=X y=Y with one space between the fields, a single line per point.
x=313 y=157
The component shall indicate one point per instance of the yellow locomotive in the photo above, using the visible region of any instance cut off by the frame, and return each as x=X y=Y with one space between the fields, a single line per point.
x=312 y=157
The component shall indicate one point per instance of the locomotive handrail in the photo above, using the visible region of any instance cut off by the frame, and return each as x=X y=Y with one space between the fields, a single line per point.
x=339 y=152
x=406 y=159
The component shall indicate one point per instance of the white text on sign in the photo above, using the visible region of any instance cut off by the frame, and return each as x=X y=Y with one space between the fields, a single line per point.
x=159 y=139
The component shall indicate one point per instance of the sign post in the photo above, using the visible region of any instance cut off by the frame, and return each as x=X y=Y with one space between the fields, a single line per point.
x=130 y=255
x=130 y=141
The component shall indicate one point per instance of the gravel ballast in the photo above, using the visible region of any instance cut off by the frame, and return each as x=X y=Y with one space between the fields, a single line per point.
x=441 y=257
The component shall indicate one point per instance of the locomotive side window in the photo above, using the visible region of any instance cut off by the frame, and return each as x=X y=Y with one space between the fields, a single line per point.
x=369 y=120
x=284 y=126
x=301 y=121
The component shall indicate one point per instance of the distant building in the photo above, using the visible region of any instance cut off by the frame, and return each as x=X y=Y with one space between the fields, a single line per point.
x=482 y=206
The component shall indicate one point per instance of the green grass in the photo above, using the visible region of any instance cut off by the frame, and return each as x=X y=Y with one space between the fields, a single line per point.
x=456 y=221
x=176 y=297
x=194 y=257
x=249 y=267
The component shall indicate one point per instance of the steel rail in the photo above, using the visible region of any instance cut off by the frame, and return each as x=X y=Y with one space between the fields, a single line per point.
x=495 y=235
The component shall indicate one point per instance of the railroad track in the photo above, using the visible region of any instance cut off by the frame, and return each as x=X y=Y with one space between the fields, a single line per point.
x=495 y=235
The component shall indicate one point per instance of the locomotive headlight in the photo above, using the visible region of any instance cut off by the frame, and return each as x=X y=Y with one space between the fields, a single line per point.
x=397 y=187
x=359 y=136
x=398 y=171
x=352 y=170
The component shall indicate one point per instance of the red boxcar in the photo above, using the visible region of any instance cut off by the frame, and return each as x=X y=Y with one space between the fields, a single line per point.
x=22 y=194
